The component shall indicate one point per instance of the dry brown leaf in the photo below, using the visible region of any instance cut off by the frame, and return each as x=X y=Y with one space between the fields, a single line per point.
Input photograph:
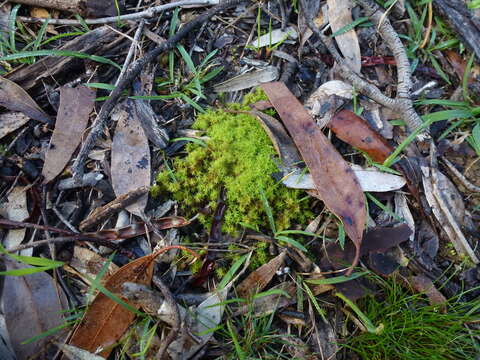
x=105 y=321
x=257 y=280
x=339 y=16
x=423 y=284
x=76 y=104
x=11 y=121
x=14 y=98
x=32 y=305
x=335 y=182
x=355 y=131
x=130 y=156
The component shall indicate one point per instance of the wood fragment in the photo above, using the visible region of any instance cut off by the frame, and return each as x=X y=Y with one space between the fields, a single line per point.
x=112 y=207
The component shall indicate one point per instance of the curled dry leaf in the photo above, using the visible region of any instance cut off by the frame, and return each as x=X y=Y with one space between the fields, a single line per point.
x=248 y=80
x=15 y=209
x=14 y=98
x=334 y=180
x=339 y=16
x=32 y=305
x=257 y=280
x=130 y=156
x=139 y=228
x=105 y=321
x=76 y=104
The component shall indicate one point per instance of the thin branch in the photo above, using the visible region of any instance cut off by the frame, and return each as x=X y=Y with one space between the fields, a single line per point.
x=131 y=51
x=132 y=72
x=176 y=319
x=149 y=13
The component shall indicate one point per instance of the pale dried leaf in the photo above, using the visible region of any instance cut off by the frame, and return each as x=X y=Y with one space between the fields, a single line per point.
x=339 y=16
x=370 y=179
x=14 y=98
x=75 y=353
x=11 y=121
x=274 y=37
x=76 y=104
x=15 y=209
x=403 y=211
x=248 y=80
x=130 y=166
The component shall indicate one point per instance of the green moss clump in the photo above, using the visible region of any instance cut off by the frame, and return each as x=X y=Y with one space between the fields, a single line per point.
x=239 y=157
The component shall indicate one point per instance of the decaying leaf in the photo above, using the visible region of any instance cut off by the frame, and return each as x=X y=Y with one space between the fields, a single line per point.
x=440 y=192
x=130 y=156
x=15 y=209
x=33 y=304
x=257 y=280
x=376 y=241
x=14 y=98
x=11 y=121
x=248 y=80
x=423 y=284
x=105 y=321
x=274 y=37
x=339 y=16
x=76 y=104
x=75 y=353
x=334 y=180
x=355 y=131
x=370 y=179
x=324 y=102
x=86 y=262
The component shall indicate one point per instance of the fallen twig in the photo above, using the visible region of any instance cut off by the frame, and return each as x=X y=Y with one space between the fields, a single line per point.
x=132 y=72
x=463 y=180
x=149 y=13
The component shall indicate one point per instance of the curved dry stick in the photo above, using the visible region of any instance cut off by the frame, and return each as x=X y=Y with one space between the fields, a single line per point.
x=176 y=319
x=402 y=103
x=132 y=72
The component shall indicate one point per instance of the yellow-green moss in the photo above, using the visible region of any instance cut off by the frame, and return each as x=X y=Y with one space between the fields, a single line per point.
x=239 y=157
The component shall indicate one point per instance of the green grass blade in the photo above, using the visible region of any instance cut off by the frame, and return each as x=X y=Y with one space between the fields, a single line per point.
x=350 y=26
x=26 y=54
x=336 y=279
x=292 y=242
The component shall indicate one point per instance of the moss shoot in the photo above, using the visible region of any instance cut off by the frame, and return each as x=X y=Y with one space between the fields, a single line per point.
x=240 y=158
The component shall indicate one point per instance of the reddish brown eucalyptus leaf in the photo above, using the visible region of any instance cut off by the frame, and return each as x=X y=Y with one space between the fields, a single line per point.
x=130 y=156
x=334 y=180
x=76 y=104
x=105 y=321
x=422 y=284
x=355 y=131
x=14 y=98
